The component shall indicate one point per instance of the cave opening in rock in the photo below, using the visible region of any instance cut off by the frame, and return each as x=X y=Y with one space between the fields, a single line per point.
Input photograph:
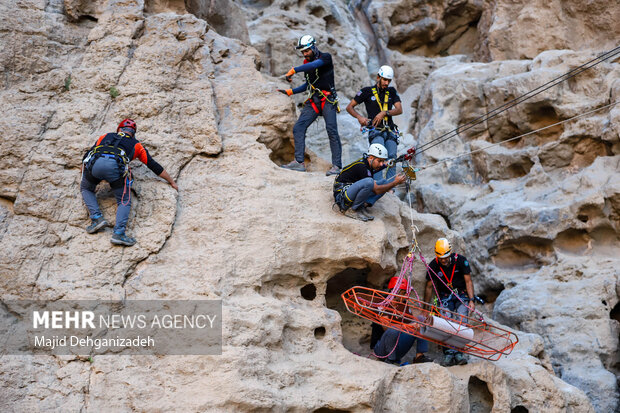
x=308 y=292
x=355 y=330
x=480 y=398
x=519 y=409
x=319 y=333
x=614 y=314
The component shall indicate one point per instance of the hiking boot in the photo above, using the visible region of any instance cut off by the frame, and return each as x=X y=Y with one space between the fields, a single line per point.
x=122 y=239
x=294 y=166
x=333 y=171
x=460 y=359
x=448 y=360
x=351 y=213
x=365 y=212
x=96 y=225
x=422 y=359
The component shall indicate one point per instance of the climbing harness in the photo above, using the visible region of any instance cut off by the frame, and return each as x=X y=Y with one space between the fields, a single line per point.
x=110 y=150
x=323 y=94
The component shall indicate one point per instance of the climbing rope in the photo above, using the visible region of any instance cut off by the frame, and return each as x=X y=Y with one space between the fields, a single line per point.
x=518 y=137
x=495 y=112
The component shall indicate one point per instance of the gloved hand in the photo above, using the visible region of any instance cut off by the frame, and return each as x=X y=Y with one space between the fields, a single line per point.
x=289 y=75
x=287 y=92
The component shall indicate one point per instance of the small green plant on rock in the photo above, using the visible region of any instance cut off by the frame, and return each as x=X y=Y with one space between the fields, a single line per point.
x=67 y=83
x=114 y=92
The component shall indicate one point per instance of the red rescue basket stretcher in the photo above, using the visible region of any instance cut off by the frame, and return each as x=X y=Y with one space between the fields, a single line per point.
x=431 y=323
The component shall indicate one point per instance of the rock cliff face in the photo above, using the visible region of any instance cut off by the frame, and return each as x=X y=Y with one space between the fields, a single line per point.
x=538 y=217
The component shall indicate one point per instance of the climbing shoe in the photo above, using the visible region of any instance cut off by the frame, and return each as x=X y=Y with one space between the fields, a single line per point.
x=422 y=359
x=365 y=212
x=334 y=170
x=448 y=360
x=294 y=166
x=351 y=213
x=122 y=239
x=96 y=225
x=460 y=359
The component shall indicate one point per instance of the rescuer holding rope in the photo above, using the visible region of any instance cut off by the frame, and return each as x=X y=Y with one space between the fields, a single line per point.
x=382 y=103
x=450 y=276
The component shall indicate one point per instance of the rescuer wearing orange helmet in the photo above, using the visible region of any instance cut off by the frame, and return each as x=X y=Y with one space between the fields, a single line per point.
x=450 y=275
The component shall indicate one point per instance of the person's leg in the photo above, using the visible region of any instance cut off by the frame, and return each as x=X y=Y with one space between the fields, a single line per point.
x=375 y=197
x=392 y=148
x=393 y=345
x=359 y=192
x=123 y=206
x=463 y=310
x=87 y=188
x=331 y=125
x=377 y=137
x=307 y=116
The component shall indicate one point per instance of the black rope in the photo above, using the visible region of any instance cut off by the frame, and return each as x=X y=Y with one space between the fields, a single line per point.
x=495 y=112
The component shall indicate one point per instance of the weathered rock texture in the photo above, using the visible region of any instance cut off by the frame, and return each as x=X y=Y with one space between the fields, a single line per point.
x=538 y=218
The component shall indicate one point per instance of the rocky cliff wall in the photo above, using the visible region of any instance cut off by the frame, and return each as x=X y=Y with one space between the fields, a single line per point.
x=538 y=218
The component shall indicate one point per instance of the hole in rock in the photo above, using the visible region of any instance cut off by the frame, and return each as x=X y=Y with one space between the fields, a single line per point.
x=519 y=409
x=526 y=253
x=330 y=410
x=614 y=314
x=490 y=294
x=540 y=116
x=572 y=241
x=480 y=398
x=588 y=211
x=356 y=331
x=319 y=333
x=308 y=292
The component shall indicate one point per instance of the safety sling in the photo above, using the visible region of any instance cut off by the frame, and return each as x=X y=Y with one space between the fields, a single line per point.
x=110 y=150
x=323 y=95
x=394 y=133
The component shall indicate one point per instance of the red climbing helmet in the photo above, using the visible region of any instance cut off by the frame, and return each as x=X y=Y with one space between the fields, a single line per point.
x=403 y=284
x=127 y=123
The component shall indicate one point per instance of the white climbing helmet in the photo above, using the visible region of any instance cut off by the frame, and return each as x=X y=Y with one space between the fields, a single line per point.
x=386 y=72
x=305 y=42
x=378 y=151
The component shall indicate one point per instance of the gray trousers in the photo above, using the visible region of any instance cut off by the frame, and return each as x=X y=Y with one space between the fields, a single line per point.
x=387 y=139
x=307 y=116
x=362 y=191
x=106 y=169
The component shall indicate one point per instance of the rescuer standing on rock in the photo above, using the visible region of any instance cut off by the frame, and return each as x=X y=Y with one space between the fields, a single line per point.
x=108 y=159
x=382 y=103
x=354 y=187
x=318 y=71
x=451 y=275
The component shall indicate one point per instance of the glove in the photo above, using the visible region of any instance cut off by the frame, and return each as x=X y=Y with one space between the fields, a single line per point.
x=289 y=75
x=287 y=92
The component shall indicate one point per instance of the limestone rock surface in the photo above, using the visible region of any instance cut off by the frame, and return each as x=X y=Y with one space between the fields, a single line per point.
x=538 y=219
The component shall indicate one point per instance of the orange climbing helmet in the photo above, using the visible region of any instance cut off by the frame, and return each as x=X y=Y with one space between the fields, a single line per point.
x=443 y=249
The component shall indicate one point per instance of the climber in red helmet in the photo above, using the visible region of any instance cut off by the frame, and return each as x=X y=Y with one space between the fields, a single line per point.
x=108 y=159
